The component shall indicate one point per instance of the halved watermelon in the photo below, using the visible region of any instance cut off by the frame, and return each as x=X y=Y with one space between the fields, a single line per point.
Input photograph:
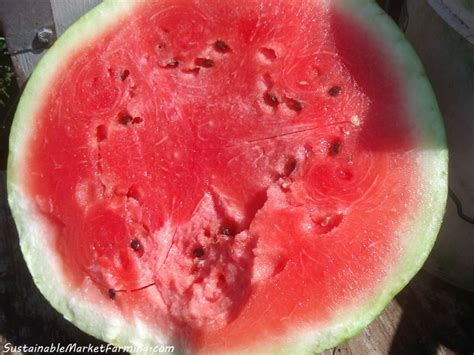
x=227 y=176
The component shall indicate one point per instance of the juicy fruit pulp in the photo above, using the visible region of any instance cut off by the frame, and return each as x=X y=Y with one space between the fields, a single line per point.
x=227 y=171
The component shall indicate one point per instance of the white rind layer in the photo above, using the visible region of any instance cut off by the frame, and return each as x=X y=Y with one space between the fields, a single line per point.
x=104 y=321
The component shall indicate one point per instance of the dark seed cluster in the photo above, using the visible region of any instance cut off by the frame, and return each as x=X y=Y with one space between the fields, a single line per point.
x=136 y=245
x=335 y=91
x=271 y=99
x=221 y=46
x=204 y=62
x=198 y=252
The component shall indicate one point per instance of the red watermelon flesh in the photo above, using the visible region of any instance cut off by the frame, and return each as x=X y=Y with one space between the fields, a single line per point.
x=226 y=171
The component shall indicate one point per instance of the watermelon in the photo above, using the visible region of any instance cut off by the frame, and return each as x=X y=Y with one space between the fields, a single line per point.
x=227 y=176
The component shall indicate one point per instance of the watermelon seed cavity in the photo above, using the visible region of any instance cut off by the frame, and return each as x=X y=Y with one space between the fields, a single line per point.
x=334 y=91
x=290 y=166
x=327 y=223
x=293 y=104
x=136 y=245
x=226 y=231
x=267 y=78
x=125 y=119
x=204 y=62
x=173 y=63
x=335 y=148
x=194 y=71
x=101 y=133
x=198 y=252
x=268 y=53
x=286 y=184
x=221 y=46
x=271 y=99
x=111 y=292
x=124 y=74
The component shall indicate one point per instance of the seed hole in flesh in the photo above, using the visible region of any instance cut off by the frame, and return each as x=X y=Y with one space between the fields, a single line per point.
x=290 y=166
x=137 y=120
x=270 y=99
x=161 y=46
x=268 y=53
x=124 y=74
x=267 y=79
x=198 y=252
x=111 y=292
x=281 y=264
x=204 y=62
x=135 y=245
x=125 y=118
x=132 y=91
x=172 y=63
x=222 y=280
x=135 y=192
x=101 y=133
x=285 y=184
x=335 y=147
x=226 y=231
x=193 y=71
x=334 y=91
x=325 y=224
x=308 y=150
x=293 y=104
x=221 y=46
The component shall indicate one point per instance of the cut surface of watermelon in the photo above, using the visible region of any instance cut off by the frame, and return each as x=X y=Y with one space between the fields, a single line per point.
x=228 y=176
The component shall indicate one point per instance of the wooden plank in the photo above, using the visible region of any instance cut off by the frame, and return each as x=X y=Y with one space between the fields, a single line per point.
x=21 y=22
x=62 y=12
x=65 y=13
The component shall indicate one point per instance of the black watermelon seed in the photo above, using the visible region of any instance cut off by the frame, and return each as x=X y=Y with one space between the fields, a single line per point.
x=198 y=252
x=335 y=148
x=135 y=245
x=126 y=119
x=271 y=99
x=226 y=231
x=221 y=46
x=124 y=74
x=111 y=293
x=290 y=166
x=204 y=62
x=334 y=91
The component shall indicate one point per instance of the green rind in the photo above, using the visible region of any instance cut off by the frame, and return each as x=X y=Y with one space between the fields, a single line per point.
x=105 y=322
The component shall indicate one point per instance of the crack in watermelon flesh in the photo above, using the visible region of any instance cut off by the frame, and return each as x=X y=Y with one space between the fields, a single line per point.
x=249 y=162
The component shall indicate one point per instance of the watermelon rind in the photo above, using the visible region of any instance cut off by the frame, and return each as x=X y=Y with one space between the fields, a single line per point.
x=103 y=319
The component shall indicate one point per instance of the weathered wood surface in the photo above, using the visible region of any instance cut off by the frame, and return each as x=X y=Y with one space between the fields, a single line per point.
x=20 y=21
x=65 y=12
x=62 y=14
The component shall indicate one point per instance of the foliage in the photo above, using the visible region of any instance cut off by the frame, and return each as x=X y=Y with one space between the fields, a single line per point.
x=7 y=76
